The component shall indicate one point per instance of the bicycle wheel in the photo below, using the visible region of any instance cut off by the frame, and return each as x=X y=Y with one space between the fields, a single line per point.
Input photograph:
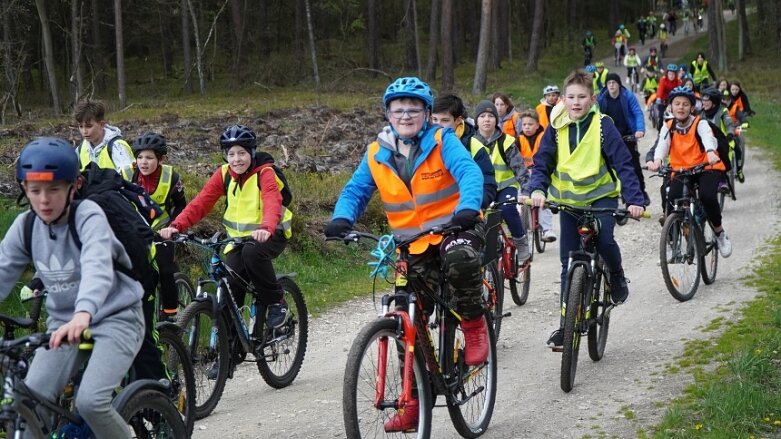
x=32 y=423
x=280 y=357
x=373 y=382
x=538 y=241
x=600 y=315
x=493 y=294
x=185 y=293
x=196 y=321
x=709 y=262
x=679 y=257
x=177 y=360
x=573 y=319
x=150 y=414
x=471 y=402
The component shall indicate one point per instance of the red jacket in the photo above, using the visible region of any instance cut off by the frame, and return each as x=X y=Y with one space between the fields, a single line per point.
x=665 y=87
x=214 y=189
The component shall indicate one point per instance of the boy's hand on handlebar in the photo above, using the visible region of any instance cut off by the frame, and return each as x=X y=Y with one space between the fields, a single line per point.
x=71 y=331
x=261 y=235
x=466 y=219
x=522 y=198
x=538 y=200
x=635 y=211
x=713 y=158
x=168 y=232
x=338 y=228
x=654 y=165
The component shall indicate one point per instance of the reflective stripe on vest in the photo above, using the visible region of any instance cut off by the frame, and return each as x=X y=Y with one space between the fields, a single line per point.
x=434 y=201
x=685 y=150
x=582 y=176
x=505 y=177
x=650 y=84
x=244 y=210
x=527 y=151
x=104 y=159
x=700 y=73
x=160 y=195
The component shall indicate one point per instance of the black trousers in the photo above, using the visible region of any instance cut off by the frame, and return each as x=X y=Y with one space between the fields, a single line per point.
x=709 y=186
x=166 y=263
x=253 y=261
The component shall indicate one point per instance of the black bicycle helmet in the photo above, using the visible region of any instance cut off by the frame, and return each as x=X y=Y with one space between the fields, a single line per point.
x=48 y=159
x=713 y=94
x=150 y=140
x=238 y=135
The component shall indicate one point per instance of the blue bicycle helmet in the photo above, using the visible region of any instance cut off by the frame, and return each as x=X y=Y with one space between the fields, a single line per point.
x=681 y=91
x=408 y=87
x=550 y=89
x=588 y=33
x=238 y=135
x=590 y=68
x=672 y=67
x=48 y=159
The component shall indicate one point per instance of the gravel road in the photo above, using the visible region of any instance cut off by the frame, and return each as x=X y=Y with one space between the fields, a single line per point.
x=646 y=335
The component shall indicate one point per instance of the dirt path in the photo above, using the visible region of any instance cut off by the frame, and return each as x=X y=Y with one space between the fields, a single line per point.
x=646 y=335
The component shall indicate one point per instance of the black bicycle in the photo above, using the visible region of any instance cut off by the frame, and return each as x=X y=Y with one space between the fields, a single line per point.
x=586 y=302
x=220 y=332
x=144 y=404
x=429 y=343
x=688 y=248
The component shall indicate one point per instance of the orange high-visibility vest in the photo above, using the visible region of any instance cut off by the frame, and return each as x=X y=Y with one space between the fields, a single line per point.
x=528 y=150
x=685 y=150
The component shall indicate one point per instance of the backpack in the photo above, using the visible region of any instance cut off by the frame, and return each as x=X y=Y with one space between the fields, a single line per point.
x=722 y=148
x=108 y=190
x=287 y=195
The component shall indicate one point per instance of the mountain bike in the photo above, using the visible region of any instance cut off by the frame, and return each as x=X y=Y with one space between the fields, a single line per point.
x=632 y=78
x=586 y=303
x=173 y=353
x=219 y=332
x=588 y=54
x=687 y=249
x=493 y=278
x=516 y=273
x=144 y=404
x=414 y=352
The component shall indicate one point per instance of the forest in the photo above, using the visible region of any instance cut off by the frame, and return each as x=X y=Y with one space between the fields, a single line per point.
x=55 y=52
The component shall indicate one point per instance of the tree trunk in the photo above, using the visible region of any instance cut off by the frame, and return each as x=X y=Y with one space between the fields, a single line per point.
x=312 y=48
x=96 y=53
x=263 y=27
x=536 y=36
x=494 y=35
x=75 y=79
x=408 y=30
x=572 y=24
x=448 y=79
x=433 y=38
x=48 y=53
x=373 y=36
x=198 y=49
x=10 y=78
x=744 y=41
x=418 y=56
x=717 y=50
x=187 y=59
x=300 y=35
x=120 y=44
x=238 y=37
x=484 y=48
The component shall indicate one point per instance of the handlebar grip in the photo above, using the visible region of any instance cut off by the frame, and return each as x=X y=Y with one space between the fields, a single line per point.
x=646 y=214
x=87 y=342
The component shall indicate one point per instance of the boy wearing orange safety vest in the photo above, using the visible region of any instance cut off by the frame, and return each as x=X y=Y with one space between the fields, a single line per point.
x=550 y=97
x=531 y=136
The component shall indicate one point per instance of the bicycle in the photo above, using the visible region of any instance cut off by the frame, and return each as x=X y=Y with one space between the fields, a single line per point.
x=517 y=273
x=588 y=54
x=688 y=248
x=144 y=404
x=174 y=355
x=429 y=345
x=219 y=332
x=493 y=278
x=633 y=79
x=585 y=308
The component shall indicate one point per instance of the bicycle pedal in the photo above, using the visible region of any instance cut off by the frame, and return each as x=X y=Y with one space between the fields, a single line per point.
x=507 y=314
x=557 y=349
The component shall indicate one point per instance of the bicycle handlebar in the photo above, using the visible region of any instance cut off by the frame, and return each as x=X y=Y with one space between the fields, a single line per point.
x=355 y=236
x=213 y=241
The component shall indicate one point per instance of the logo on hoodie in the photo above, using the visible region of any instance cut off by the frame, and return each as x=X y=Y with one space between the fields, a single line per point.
x=58 y=272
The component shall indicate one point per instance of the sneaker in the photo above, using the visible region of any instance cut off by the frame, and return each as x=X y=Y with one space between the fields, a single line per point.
x=723 y=188
x=619 y=291
x=522 y=247
x=549 y=236
x=722 y=242
x=646 y=199
x=213 y=371
x=475 y=341
x=556 y=339
x=405 y=419
x=739 y=175
x=662 y=218
x=167 y=315
x=277 y=314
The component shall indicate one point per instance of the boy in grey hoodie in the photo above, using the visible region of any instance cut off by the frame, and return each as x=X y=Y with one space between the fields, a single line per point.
x=82 y=293
x=103 y=143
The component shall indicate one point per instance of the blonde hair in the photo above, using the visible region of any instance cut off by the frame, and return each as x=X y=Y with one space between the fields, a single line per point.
x=580 y=77
x=531 y=114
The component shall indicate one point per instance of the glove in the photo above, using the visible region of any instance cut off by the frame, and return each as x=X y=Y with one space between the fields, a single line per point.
x=337 y=228
x=466 y=218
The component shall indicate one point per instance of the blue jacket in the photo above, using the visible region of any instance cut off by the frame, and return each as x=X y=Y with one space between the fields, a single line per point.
x=358 y=191
x=614 y=150
x=632 y=112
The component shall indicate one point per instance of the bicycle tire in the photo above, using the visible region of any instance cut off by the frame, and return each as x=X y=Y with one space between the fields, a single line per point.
x=279 y=362
x=598 y=330
x=493 y=303
x=150 y=413
x=196 y=322
x=539 y=243
x=709 y=263
x=678 y=251
x=32 y=422
x=471 y=403
x=185 y=293
x=575 y=313
x=180 y=369
x=361 y=417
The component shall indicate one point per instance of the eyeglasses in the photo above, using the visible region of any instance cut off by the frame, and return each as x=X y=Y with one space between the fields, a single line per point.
x=412 y=113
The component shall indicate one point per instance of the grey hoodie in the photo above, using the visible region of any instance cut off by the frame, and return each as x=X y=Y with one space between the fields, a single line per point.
x=119 y=155
x=75 y=280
